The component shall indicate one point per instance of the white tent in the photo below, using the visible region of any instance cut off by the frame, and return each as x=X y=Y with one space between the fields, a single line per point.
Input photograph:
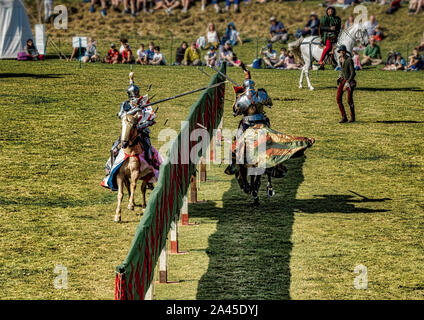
x=15 y=29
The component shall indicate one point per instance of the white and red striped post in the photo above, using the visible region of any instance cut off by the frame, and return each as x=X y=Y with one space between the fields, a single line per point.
x=163 y=277
x=184 y=212
x=174 y=235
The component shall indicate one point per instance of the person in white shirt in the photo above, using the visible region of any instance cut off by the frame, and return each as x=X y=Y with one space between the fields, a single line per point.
x=282 y=60
x=370 y=26
x=123 y=43
x=141 y=55
x=158 y=58
x=270 y=56
x=212 y=37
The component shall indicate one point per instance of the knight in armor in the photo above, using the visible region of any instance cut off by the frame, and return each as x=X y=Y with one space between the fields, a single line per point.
x=250 y=104
x=330 y=26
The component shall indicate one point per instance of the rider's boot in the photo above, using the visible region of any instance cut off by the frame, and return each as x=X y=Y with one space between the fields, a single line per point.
x=352 y=113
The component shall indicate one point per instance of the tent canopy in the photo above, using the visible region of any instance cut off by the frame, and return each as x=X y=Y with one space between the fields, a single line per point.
x=15 y=29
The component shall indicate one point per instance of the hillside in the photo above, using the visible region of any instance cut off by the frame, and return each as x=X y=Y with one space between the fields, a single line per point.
x=252 y=22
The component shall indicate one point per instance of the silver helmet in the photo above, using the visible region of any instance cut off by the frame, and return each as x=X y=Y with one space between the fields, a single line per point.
x=133 y=92
x=248 y=83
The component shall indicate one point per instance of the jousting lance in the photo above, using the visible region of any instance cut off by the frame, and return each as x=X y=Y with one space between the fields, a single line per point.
x=225 y=76
x=133 y=111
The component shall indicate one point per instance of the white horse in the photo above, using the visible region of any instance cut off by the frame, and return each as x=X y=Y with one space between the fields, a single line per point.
x=310 y=48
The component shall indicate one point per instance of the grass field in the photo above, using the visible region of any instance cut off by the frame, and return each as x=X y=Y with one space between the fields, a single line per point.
x=357 y=198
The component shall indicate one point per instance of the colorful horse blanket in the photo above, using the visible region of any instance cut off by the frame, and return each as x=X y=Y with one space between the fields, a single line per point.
x=261 y=146
x=109 y=180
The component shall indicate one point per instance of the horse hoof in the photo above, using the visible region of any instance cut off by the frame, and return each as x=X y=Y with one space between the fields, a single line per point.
x=130 y=207
x=300 y=86
x=271 y=192
x=117 y=219
x=312 y=88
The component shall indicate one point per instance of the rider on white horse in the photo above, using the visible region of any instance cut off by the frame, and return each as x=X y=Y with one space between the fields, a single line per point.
x=329 y=29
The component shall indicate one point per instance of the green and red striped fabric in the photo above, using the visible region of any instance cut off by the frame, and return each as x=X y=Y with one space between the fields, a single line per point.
x=134 y=275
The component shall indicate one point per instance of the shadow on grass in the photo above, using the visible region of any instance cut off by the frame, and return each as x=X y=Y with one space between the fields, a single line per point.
x=399 y=121
x=54 y=202
x=413 y=89
x=249 y=254
x=31 y=75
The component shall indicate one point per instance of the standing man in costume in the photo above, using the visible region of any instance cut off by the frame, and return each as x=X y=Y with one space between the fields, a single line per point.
x=330 y=26
x=346 y=82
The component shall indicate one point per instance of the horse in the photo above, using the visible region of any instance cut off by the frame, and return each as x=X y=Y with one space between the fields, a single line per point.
x=130 y=170
x=310 y=48
x=277 y=146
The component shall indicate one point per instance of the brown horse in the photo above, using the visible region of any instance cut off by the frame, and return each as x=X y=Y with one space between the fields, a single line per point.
x=130 y=171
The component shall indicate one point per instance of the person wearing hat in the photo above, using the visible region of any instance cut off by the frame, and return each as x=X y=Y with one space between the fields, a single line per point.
x=277 y=31
x=330 y=26
x=346 y=82
x=312 y=25
x=269 y=55
x=211 y=57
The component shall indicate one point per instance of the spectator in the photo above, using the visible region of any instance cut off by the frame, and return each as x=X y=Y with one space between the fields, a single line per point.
x=394 y=6
x=123 y=42
x=231 y=35
x=372 y=54
x=270 y=56
x=159 y=4
x=132 y=7
x=212 y=37
x=127 y=55
x=378 y=36
x=112 y=56
x=291 y=62
x=415 y=63
x=356 y=60
x=349 y=22
x=32 y=52
x=192 y=56
x=115 y=5
x=77 y=54
x=150 y=52
x=228 y=55
x=370 y=26
x=103 y=5
x=168 y=5
x=415 y=6
x=158 y=58
x=282 y=59
x=312 y=25
x=236 y=5
x=144 y=2
x=91 y=52
x=211 y=57
x=179 y=57
x=215 y=5
x=395 y=62
x=141 y=55
x=277 y=31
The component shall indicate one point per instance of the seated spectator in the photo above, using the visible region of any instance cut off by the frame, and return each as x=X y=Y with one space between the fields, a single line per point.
x=211 y=57
x=312 y=26
x=415 y=62
x=236 y=5
x=415 y=6
x=123 y=42
x=103 y=5
x=141 y=55
x=132 y=8
x=291 y=62
x=139 y=2
x=394 y=6
x=395 y=62
x=192 y=56
x=277 y=31
x=370 y=26
x=372 y=54
x=282 y=59
x=179 y=56
x=158 y=58
x=90 y=54
x=112 y=56
x=269 y=55
x=77 y=54
x=150 y=52
x=32 y=52
x=212 y=37
x=231 y=35
x=228 y=55
x=168 y=5
x=378 y=34
x=159 y=5
x=349 y=22
x=356 y=60
x=127 y=55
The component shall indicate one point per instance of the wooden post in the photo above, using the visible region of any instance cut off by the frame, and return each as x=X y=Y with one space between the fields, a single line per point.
x=203 y=169
x=162 y=266
x=184 y=212
x=193 y=189
x=149 y=293
x=174 y=235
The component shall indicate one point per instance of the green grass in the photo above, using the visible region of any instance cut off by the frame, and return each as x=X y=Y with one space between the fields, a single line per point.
x=58 y=122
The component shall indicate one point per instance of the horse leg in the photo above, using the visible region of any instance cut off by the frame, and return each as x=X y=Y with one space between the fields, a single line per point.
x=255 y=182
x=242 y=179
x=120 y=182
x=307 y=79
x=301 y=79
x=269 y=188
x=135 y=174
x=143 y=192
